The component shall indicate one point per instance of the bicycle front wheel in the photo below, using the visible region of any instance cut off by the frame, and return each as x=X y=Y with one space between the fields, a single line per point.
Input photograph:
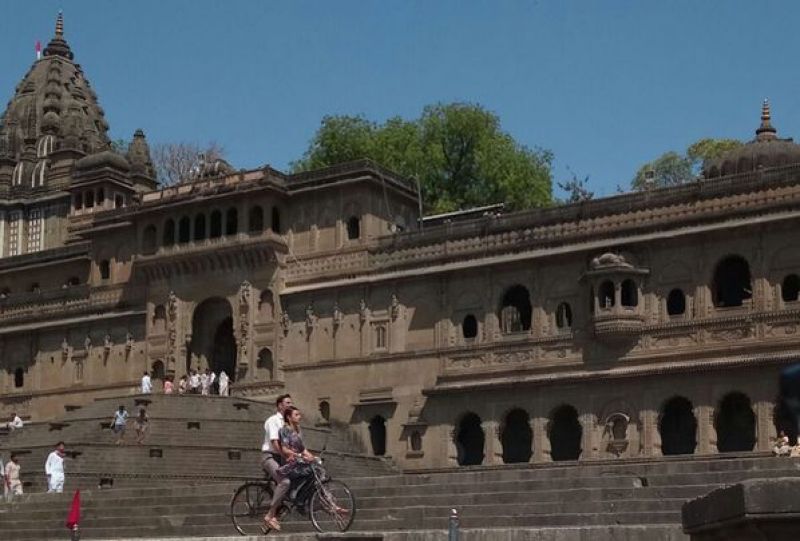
x=333 y=507
x=249 y=504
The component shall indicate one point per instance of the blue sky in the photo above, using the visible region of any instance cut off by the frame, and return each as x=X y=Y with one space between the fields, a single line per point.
x=605 y=85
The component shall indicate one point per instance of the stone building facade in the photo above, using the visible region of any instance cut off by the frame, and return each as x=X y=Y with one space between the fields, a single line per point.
x=639 y=325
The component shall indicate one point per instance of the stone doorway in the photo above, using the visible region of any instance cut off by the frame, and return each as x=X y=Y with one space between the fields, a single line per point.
x=678 y=427
x=213 y=344
x=565 y=433
x=517 y=437
x=469 y=440
x=735 y=423
x=377 y=435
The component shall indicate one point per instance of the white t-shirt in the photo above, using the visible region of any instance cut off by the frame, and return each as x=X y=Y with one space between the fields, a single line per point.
x=272 y=426
x=147 y=385
x=54 y=465
x=194 y=381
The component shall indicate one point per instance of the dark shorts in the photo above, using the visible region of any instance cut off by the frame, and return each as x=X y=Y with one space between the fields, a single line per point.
x=118 y=428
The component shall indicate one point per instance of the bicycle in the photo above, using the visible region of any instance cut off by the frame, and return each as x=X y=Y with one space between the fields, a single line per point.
x=329 y=504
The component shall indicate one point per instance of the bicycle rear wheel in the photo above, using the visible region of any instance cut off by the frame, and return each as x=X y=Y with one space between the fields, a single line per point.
x=333 y=507
x=249 y=504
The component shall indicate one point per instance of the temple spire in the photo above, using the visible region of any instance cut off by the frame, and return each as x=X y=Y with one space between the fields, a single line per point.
x=58 y=46
x=766 y=131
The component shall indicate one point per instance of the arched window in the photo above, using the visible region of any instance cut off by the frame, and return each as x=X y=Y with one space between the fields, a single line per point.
x=276 y=220
x=105 y=269
x=169 y=233
x=629 y=294
x=678 y=427
x=606 y=294
x=89 y=199
x=158 y=370
x=790 y=289
x=676 y=302
x=149 y=240
x=231 y=221
x=377 y=435
x=184 y=230
x=565 y=433
x=515 y=310
x=256 y=221
x=19 y=378
x=265 y=306
x=416 y=441
x=265 y=363
x=353 y=228
x=732 y=283
x=325 y=410
x=564 y=316
x=735 y=423
x=469 y=327
x=200 y=227
x=77 y=201
x=159 y=319
x=215 y=230
x=516 y=437
x=469 y=440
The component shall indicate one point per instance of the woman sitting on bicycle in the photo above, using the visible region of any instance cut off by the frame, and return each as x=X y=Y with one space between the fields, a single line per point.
x=296 y=457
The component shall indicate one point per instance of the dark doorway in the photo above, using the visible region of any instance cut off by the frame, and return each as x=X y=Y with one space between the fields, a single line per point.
x=377 y=435
x=516 y=437
x=158 y=370
x=565 y=433
x=213 y=343
x=256 y=221
x=469 y=327
x=515 y=310
x=676 y=302
x=678 y=427
x=732 y=285
x=790 y=290
x=735 y=423
x=470 y=440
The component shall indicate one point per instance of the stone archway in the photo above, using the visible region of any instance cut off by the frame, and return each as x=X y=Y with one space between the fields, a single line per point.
x=678 y=427
x=735 y=423
x=516 y=437
x=213 y=344
x=565 y=433
x=469 y=440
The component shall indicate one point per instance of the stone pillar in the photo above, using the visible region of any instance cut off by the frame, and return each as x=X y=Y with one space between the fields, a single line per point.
x=650 y=438
x=765 y=428
x=588 y=441
x=493 y=447
x=706 y=434
x=541 y=445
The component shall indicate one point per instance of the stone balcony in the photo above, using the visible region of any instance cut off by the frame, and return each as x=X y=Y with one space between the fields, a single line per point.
x=617 y=325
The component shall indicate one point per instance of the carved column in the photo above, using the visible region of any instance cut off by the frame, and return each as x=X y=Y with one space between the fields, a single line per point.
x=493 y=448
x=589 y=448
x=243 y=328
x=765 y=428
x=541 y=445
x=651 y=439
x=172 y=332
x=706 y=434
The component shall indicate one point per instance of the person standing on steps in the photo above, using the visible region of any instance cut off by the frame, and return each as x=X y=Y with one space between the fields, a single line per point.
x=194 y=382
x=272 y=459
x=13 y=485
x=212 y=379
x=54 y=469
x=141 y=424
x=119 y=422
x=205 y=383
x=169 y=387
x=223 y=383
x=147 y=384
x=183 y=385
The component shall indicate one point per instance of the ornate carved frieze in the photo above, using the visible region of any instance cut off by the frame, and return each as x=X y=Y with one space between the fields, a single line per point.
x=245 y=294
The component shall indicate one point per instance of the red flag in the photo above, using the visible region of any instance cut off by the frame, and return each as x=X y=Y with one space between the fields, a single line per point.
x=74 y=516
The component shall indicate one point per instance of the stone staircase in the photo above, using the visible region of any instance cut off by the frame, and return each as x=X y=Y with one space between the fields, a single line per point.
x=192 y=439
x=614 y=500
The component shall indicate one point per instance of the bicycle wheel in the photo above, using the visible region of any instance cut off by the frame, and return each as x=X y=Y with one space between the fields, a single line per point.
x=249 y=504
x=333 y=507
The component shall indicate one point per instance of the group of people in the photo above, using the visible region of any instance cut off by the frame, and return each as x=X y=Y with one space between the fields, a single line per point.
x=203 y=383
x=783 y=448
x=119 y=424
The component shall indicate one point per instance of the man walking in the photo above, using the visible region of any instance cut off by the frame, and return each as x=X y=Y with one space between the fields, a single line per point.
x=119 y=423
x=13 y=484
x=147 y=384
x=54 y=468
x=204 y=383
x=194 y=382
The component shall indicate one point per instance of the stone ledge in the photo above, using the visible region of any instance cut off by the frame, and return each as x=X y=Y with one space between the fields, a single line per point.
x=757 y=509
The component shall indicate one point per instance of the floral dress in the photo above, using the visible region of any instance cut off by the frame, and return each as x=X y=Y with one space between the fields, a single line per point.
x=293 y=441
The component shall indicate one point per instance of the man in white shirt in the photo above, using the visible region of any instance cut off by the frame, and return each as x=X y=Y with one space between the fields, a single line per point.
x=204 y=383
x=54 y=468
x=147 y=384
x=271 y=457
x=212 y=377
x=16 y=422
x=194 y=382
x=13 y=484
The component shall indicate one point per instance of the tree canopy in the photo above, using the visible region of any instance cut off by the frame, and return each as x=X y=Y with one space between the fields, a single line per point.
x=672 y=168
x=458 y=152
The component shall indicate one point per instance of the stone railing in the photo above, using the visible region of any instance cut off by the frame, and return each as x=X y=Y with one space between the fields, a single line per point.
x=65 y=301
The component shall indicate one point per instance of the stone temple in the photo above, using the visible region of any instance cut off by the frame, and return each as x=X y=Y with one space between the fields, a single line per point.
x=637 y=328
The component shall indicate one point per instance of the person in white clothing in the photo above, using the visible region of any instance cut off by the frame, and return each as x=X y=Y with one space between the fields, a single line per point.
x=212 y=377
x=16 y=422
x=194 y=382
x=271 y=458
x=204 y=385
x=13 y=485
x=54 y=468
x=223 y=383
x=147 y=384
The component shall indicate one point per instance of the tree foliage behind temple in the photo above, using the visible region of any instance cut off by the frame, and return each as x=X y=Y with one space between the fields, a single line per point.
x=671 y=168
x=458 y=152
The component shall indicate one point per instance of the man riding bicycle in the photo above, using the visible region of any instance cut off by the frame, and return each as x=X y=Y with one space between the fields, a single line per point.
x=272 y=459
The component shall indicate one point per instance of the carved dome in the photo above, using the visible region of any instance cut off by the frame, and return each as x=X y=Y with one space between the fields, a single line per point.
x=766 y=150
x=53 y=90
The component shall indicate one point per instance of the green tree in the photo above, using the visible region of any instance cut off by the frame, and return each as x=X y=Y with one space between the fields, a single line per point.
x=458 y=152
x=672 y=168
